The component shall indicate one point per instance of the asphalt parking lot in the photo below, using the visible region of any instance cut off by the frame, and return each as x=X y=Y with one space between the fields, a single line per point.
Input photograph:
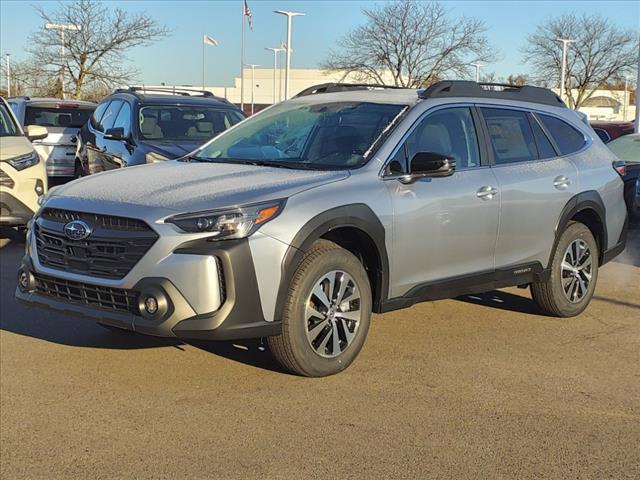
x=476 y=387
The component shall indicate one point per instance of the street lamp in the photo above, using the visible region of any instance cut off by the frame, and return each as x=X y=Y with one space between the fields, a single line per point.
x=62 y=27
x=565 y=42
x=478 y=67
x=275 y=51
x=289 y=15
x=253 y=83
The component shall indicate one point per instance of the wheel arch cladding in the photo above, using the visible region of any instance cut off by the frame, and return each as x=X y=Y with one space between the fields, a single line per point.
x=355 y=228
x=587 y=208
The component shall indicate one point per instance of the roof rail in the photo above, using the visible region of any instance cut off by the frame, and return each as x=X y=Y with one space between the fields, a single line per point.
x=185 y=92
x=341 y=87
x=464 y=88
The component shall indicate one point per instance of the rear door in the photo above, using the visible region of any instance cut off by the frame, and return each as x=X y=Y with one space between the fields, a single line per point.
x=117 y=152
x=535 y=185
x=99 y=156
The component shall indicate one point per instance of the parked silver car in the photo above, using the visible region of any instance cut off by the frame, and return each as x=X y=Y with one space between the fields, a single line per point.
x=299 y=222
x=63 y=120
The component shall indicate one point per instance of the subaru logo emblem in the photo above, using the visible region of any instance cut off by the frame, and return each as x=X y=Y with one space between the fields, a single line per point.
x=77 y=230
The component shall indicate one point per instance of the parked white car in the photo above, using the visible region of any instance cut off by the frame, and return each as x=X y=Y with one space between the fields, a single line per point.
x=63 y=120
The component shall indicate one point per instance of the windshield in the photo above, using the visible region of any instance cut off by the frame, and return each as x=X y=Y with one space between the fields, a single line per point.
x=185 y=123
x=74 y=117
x=314 y=135
x=626 y=148
x=7 y=127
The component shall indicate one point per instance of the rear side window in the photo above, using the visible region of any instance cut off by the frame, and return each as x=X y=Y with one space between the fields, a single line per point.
x=545 y=149
x=74 y=117
x=97 y=114
x=567 y=138
x=511 y=135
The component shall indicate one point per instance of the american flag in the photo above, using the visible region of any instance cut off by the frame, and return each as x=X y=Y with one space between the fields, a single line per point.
x=247 y=13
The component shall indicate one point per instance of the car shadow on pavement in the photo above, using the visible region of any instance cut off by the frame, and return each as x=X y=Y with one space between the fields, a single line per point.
x=253 y=352
x=503 y=301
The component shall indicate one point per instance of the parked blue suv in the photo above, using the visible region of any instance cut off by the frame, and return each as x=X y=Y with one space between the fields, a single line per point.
x=134 y=126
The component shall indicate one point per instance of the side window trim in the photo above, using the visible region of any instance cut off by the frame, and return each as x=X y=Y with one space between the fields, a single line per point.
x=401 y=144
x=482 y=132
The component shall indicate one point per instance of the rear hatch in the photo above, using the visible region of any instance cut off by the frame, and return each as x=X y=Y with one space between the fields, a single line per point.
x=63 y=121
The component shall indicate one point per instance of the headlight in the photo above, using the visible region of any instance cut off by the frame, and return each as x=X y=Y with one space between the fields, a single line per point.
x=154 y=157
x=232 y=223
x=24 y=161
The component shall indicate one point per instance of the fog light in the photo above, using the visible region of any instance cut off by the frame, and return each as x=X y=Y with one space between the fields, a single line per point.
x=151 y=305
x=26 y=282
x=39 y=187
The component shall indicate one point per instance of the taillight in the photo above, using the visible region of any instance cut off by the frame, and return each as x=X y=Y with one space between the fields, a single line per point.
x=620 y=167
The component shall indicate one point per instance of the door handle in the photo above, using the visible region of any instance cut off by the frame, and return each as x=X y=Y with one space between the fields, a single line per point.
x=561 y=182
x=487 y=192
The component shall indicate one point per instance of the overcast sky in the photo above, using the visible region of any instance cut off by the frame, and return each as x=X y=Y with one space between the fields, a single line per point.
x=177 y=59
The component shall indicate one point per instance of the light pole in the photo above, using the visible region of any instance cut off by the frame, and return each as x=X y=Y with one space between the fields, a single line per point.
x=275 y=51
x=563 y=70
x=253 y=83
x=289 y=16
x=7 y=55
x=61 y=27
x=478 y=67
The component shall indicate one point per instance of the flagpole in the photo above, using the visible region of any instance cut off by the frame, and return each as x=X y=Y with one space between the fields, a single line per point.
x=203 y=62
x=242 y=61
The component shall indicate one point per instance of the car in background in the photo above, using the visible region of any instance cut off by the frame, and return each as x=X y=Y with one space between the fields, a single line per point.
x=23 y=177
x=608 y=131
x=63 y=120
x=135 y=126
x=627 y=149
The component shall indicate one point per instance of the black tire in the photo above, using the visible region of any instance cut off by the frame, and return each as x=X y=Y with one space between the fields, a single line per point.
x=550 y=295
x=292 y=349
x=78 y=171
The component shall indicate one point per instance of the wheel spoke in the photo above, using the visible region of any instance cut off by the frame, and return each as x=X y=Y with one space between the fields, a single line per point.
x=350 y=315
x=318 y=292
x=348 y=334
x=566 y=282
x=322 y=348
x=336 y=338
x=315 y=331
x=344 y=280
x=313 y=312
x=567 y=267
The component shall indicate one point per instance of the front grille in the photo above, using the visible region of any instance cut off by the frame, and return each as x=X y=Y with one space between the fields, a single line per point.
x=115 y=245
x=93 y=295
x=6 y=180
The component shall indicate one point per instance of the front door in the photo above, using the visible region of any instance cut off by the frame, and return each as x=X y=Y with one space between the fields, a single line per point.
x=443 y=227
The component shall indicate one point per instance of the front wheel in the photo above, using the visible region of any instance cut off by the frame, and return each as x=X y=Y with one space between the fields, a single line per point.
x=326 y=314
x=574 y=271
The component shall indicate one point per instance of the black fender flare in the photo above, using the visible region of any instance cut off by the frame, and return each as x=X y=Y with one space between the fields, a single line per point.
x=589 y=200
x=357 y=215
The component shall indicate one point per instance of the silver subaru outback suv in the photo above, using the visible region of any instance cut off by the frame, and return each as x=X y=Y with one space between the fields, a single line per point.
x=299 y=222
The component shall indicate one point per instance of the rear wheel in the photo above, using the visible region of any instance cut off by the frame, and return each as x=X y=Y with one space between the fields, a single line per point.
x=574 y=271
x=78 y=171
x=326 y=315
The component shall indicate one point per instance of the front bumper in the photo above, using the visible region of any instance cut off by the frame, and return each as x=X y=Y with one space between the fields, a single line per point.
x=12 y=211
x=239 y=315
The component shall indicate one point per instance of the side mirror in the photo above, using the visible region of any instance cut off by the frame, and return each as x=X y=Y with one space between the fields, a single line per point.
x=36 y=132
x=429 y=164
x=115 y=134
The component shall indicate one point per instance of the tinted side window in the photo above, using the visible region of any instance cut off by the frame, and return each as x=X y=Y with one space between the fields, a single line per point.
x=511 y=135
x=97 y=114
x=545 y=149
x=567 y=138
x=123 y=120
x=449 y=132
x=109 y=116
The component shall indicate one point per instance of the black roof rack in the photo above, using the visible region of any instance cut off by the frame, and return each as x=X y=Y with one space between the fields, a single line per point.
x=185 y=92
x=341 y=87
x=464 y=88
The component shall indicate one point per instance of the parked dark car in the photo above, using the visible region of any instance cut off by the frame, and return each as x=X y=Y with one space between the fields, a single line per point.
x=608 y=131
x=627 y=148
x=135 y=126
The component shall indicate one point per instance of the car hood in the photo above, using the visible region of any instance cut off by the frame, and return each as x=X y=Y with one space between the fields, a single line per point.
x=194 y=186
x=174 y=150
x=14 y=146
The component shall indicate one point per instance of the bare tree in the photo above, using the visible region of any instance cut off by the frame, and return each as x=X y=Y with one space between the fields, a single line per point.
x=415 y=43
x=95 y=53
x=602 y=52
x=519 y=79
